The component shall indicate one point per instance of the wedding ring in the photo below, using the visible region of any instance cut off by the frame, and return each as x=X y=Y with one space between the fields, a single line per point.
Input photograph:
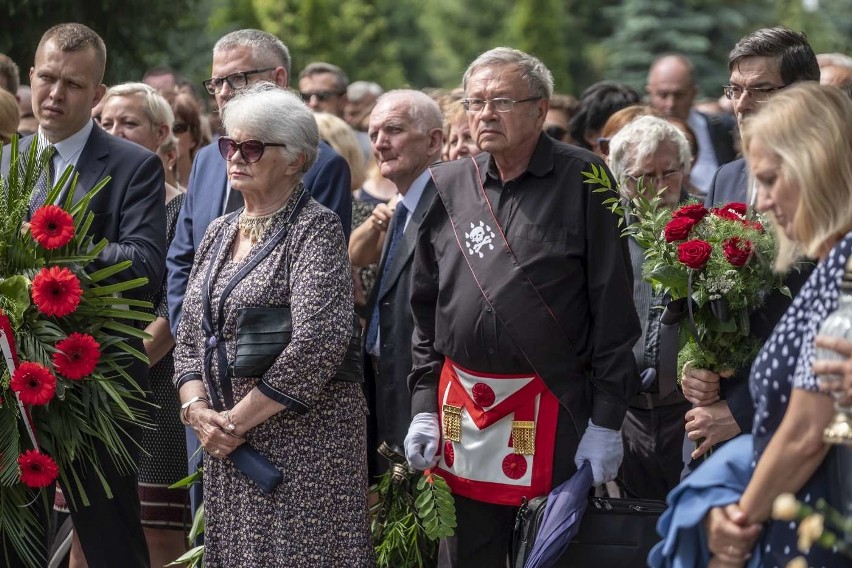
x=216 y=453
x=731 y=548
x=380 y=222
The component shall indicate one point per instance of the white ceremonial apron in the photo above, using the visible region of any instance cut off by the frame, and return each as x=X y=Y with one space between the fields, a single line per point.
x=498 y=434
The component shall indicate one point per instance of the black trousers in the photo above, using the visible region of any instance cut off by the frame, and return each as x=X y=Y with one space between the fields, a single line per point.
x=484 y=532
x=653 y=450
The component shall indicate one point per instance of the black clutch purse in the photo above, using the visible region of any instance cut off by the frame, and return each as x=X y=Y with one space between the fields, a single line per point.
x=256 y=467
x=263 y=333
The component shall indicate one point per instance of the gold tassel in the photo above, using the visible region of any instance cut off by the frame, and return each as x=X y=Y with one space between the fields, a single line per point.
x=523 y=437
x=452 y=423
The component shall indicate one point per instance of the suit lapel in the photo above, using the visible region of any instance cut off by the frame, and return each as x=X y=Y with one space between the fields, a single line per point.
x=90 y=165
x=405 y=249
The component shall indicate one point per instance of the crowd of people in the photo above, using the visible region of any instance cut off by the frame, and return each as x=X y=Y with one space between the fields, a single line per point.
x=333 y=267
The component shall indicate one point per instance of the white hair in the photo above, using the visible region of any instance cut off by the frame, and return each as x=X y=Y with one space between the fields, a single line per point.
x=640 y=139
x=423 y=112
x=537 y=76
x=156 y=107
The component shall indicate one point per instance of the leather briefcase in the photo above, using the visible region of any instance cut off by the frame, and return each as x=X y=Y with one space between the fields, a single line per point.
x=613 y=532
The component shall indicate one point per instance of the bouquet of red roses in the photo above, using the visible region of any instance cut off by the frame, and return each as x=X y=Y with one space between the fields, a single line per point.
x=715 y=266
x=63 y=333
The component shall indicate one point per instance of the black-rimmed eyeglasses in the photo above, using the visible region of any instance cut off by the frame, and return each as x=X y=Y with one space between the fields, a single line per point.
x=251 y=150
x=321 y=96
x=236 y=80
x=500 y=104
x=757 y=94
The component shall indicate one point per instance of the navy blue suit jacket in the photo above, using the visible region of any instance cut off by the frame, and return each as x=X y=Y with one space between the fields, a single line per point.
x=729 y=184
x=328 y=181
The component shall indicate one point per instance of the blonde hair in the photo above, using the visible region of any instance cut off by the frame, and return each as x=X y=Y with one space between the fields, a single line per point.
x=341 y=137
x=809 y=127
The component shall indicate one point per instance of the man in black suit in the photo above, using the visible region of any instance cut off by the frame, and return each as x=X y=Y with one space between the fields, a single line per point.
x=129 y=213
x=671 y=90
x=761 y=63
x=407 y=137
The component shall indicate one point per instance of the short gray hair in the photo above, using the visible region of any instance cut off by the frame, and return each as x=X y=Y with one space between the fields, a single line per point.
x=267 y=49
x=640 y=139
x=157 y=108
x=537 y=76
x=360 y=89
x=423 y=111
x=272 y=114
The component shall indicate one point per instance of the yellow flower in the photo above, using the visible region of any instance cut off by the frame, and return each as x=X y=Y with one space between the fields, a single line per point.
x=785 y=507
x=810 y=529
x=798 y=562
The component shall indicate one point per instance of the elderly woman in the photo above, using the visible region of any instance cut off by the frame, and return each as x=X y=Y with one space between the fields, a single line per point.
x=651 y=150
x=282 y=252
x=799 y=150
x=137 y=112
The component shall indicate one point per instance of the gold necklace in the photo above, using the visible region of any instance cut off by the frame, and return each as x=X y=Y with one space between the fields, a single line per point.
x=253 y=228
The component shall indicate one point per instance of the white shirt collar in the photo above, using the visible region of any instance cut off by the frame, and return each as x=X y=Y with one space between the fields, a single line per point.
x=69 y=149
x=412 y=196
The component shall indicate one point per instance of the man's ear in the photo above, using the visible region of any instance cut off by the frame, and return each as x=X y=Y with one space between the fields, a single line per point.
x=100 y=91
x=436 y=140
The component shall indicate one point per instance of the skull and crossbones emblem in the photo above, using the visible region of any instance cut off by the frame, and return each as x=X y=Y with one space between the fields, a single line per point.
x=478 y=237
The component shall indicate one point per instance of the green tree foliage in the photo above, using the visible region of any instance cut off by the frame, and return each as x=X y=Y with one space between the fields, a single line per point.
x=138 y=34
x=348 y=33
x=703 y=30
x=541 y=27
x=829 y=27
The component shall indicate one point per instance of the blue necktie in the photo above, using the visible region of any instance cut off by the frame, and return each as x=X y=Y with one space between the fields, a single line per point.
x=42 y=187
x=395 y=237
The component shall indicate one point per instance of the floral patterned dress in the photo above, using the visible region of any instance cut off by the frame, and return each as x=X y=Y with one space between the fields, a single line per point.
x=785 y=363
x=318 y=515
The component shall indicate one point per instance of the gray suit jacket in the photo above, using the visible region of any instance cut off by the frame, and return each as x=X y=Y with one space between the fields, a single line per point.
x=729 y=184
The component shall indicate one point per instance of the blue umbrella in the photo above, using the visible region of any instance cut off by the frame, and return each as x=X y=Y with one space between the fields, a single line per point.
x=561 y=520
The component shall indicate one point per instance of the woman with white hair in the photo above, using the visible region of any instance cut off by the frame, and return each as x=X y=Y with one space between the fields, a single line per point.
x=284 y=405
x=652 y=153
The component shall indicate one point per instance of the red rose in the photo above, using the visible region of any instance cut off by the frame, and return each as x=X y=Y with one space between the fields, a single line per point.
x=678 y=229
x=37 y=469
x=56 y=291
x=755 y=225
x=34 y=383
x=52 y=227
x=76 y=356
x=694 y=212
x=694 y=253
x=731 y=211
x=737 y=251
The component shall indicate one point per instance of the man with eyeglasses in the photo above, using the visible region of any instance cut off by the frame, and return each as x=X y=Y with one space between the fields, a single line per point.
x=761 y=63
x=523 y=311
x=240 y=58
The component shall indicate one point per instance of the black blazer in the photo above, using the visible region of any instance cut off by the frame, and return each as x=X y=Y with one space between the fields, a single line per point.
x=391 y=411
x=130 y=212
x=722 y=130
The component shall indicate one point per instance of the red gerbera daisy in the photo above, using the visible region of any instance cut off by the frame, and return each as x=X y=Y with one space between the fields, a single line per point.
x=52 y=227
x=37 y=469
x=56 y=291
x=34 y=383
x=77 y=356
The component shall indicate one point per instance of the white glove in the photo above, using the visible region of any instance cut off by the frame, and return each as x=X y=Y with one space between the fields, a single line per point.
x=603 y=449
x=421 y=443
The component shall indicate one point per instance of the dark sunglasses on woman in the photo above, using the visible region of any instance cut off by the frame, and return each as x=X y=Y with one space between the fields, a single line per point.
x=251 y=150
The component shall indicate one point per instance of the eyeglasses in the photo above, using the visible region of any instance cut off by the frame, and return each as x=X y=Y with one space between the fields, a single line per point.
x=235 y=80
x=180 y=127
x=500 y=104
x=321 y=96
x=758 y=94
x=250 y=150
x=659 y=181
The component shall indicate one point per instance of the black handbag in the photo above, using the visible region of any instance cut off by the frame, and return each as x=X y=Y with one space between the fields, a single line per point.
x=263 y=333
x=613 y=532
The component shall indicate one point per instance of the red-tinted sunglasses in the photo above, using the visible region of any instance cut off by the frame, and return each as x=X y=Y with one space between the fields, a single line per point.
x=250 y=150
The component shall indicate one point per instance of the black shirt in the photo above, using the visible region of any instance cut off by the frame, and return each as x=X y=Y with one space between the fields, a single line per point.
x=569 y=246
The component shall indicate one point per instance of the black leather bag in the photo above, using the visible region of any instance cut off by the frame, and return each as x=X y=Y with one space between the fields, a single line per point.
x=613 y=532
x=263 y=333
x=256 y=467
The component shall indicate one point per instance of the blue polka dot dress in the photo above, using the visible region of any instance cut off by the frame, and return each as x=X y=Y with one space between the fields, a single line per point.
x=784 y=363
